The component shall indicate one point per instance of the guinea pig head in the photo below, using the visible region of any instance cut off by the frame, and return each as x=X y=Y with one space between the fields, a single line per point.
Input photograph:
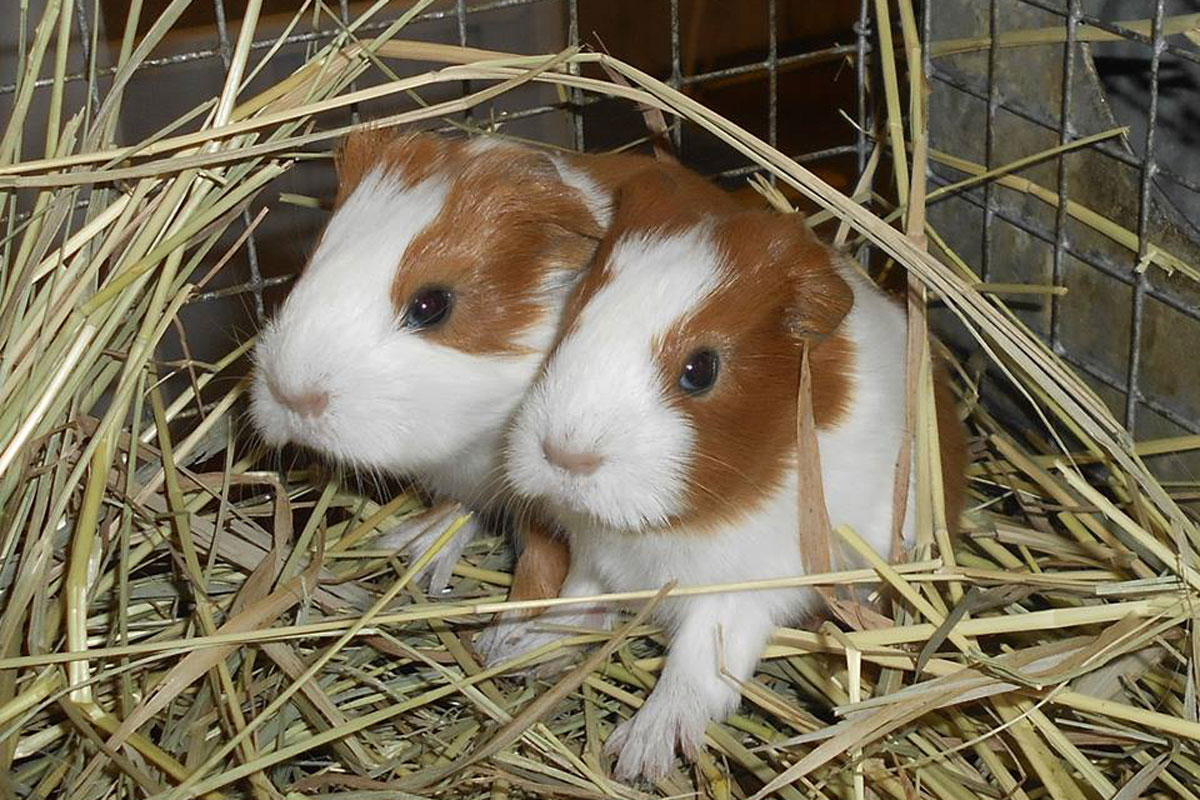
x=670 y=399
x=428 y=305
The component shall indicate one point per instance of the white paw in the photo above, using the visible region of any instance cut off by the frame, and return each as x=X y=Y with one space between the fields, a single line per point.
x=647 y=742
x=417 y=534
x=512 y=634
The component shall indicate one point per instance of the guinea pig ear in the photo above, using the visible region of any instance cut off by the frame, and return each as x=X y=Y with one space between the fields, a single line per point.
x=569 y=209
x=821 y=298
x=411 y=155
x=354 y=157
x=652 y=198
x=521 y=185
x=806 y=272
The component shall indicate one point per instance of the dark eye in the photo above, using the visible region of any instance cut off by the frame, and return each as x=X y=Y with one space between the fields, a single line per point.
x=699 y=371
x=428 y=308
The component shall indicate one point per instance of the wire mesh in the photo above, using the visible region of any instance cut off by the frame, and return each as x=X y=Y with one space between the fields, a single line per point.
x=460 y=11
x=1129 y=271
x=1132 y=389
x=859 y=143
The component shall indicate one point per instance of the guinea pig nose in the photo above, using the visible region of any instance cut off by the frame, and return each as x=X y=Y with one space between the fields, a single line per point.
x=307 y=404
x=576 y=463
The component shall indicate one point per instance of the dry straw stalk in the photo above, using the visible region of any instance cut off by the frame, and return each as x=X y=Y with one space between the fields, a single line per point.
x=177 y=620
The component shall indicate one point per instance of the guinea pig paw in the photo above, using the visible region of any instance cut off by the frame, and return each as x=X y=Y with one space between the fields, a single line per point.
x=491 y=644
x=513 y=635
x=414 y=537
x=645 y=744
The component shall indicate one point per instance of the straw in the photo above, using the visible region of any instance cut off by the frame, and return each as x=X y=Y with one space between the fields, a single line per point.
x=179 y=619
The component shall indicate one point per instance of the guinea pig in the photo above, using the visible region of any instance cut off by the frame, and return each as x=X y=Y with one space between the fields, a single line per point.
x=424 y=312
x=662 y=434
x=418 y=324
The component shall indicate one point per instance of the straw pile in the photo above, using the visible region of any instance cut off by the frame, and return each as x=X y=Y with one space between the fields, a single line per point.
x=178 y=621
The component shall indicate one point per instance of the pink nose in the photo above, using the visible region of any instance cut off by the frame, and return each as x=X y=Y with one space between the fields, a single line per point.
x=307 y=404
x=575 y=463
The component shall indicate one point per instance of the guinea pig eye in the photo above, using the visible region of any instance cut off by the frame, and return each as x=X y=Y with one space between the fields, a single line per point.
x=699 y=371
x=428 y=308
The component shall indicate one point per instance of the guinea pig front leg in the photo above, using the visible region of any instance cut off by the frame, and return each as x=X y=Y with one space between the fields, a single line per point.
x=513 y=634
x=415 y=535
x=539 y=574
x=715 y=633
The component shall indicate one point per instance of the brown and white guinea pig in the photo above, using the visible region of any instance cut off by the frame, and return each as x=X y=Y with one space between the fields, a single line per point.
x=422 y=317
x=661 y=434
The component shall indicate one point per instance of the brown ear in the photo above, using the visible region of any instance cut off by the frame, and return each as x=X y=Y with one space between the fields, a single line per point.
x=525 y=186
x=354 y=157
x=412 y=155
x=821 y=297
x=783 y=245
x=654 y=198
x=573 y=214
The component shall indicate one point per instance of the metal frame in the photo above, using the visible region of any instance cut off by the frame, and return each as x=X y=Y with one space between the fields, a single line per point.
x=1072 y=15
x=1068 y=10
x=222 y=49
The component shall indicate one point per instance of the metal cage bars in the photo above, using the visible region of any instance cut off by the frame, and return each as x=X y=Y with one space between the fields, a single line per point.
x=1150 y=170
x=256 y=284
x=1072 y=16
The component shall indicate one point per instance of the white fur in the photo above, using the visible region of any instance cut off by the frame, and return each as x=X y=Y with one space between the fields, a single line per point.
x=858 y=457
x=599 y=390
x=598 y=201
x=398 y=402
x=555 y=286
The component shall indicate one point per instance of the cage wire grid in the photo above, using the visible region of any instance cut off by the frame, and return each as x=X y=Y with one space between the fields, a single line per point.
x=1125 y=272
x=940 y=77
x=221 y=50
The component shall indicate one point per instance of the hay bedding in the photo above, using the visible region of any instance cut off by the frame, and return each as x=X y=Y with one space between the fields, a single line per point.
x=179 y=621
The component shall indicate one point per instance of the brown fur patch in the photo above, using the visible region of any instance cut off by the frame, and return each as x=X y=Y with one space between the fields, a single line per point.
x=648 y=197
x=409 y=157
x=952 y=440
x=783 y=289
x=630 y=174
x=541 y=566
x=508 y=220
x=507 y=223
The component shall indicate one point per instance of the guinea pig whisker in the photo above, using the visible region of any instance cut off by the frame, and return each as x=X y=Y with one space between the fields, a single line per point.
x=489 y=490
x=499 y=485
x=378 y=478
x=692 y=482
x=727 y=466
x=516 y=510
